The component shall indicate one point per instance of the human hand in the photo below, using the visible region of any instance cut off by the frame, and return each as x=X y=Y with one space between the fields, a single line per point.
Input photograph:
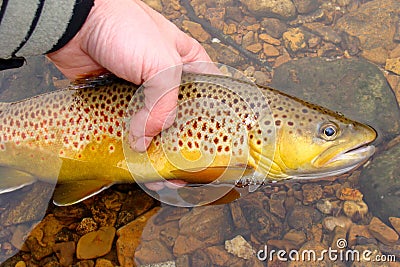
x=134 y=42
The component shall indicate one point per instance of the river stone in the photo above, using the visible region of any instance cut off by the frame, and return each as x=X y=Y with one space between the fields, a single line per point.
x=380 y=184
x=202 y=227
x=374 y=24
x=31 y=79
x=353 y=87
x=27 y=204
x=95 y=244
x=284 y=9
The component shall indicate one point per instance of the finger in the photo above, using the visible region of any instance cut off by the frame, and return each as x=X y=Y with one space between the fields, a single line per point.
x=155 y=186
x=161 y=95
x=171 y=184
x=195 y=57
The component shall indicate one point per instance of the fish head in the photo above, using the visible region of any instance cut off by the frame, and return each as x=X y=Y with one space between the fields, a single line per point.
x=314 y=142
x=332 y=148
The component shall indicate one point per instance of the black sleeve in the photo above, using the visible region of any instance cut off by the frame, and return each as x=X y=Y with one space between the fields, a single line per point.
x=34 y=27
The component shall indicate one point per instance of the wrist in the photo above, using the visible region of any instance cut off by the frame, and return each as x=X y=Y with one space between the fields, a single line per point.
x=80 y=13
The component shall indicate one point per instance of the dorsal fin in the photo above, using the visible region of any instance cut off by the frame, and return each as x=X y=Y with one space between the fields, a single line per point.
x=95 y=79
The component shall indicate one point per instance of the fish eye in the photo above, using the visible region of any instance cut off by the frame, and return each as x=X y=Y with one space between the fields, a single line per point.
x=328 y=131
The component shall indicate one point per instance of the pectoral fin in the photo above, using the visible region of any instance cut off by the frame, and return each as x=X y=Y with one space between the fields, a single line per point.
x=222 y=174
x=11 y=179
x=69 y=193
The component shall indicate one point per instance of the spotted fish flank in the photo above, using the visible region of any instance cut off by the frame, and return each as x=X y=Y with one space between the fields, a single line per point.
x=223 y=126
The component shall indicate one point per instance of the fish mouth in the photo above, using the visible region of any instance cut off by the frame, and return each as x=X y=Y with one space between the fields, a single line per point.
x=347 y=159
x=339 y=164
x=353 y=155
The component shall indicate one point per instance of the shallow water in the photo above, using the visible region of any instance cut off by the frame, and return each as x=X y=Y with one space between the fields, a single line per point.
x=290 y=215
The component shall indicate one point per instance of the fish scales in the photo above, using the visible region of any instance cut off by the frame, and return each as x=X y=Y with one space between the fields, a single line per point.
x=77 y=134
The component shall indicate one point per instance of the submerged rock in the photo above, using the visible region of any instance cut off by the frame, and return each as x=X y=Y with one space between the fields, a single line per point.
x=95 y=244
x=27 y=204
x=311 y=193
x=65 y=252
x=353 y=87
x=395 y=222
x=277 y=8
x=129 y=238
x=153 y=251
x=202 y=227
x=303 y=217
x=356 y=231
x=374 y=24
x=380 y=184
x=330 y=223
x=382 y=232
x=239 y=247
x=355 y=209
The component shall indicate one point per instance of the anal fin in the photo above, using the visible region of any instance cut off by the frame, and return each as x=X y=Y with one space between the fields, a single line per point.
x=12 y=179
x=69 y=193
x=222 y=174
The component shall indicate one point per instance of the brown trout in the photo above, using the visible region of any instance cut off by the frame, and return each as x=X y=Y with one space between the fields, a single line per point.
x=225 y=129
